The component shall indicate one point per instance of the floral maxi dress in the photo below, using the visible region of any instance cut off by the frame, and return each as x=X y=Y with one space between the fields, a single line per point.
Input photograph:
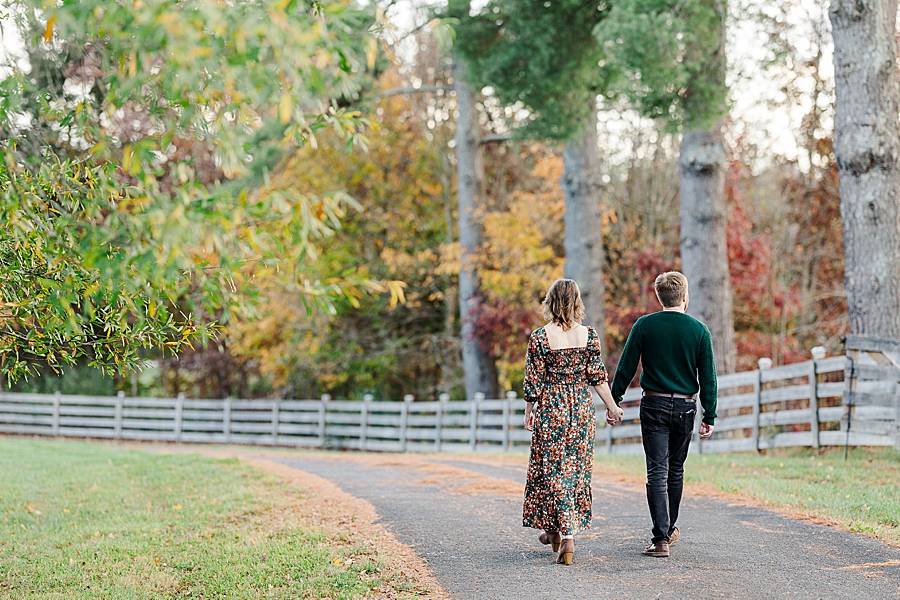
x=558 y=489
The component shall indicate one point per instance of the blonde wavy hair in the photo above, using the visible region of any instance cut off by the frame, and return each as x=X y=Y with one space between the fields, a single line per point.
x=562 y=304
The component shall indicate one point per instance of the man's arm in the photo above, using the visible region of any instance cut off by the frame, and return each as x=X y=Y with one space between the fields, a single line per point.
x=706 y=376
x=628 y=363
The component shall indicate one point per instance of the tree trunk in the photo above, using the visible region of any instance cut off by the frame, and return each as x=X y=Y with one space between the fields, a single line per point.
x=704 y=251
x=867 y=148
x=583 y=240
x=478 y=367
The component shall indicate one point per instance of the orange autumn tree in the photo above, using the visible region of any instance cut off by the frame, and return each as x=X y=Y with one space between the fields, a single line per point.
x=522 y=253
x=370 y=344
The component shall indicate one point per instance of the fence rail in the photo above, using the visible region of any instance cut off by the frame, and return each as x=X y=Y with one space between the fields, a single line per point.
x=802 y=404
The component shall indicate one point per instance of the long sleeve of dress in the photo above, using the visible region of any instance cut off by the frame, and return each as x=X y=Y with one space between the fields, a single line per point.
x=534 y=369
x=596 y=371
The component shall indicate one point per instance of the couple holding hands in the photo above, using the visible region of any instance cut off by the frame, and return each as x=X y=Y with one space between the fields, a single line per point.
x=563 y=363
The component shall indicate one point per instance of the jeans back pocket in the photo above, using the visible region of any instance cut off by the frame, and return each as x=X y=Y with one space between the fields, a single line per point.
x=688 y=418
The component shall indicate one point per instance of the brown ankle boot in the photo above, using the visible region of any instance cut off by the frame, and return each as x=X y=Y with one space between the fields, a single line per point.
x=550 y=537
x=566 y=551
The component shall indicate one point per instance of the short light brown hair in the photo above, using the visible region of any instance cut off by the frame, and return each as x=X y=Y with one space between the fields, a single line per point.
x=563 y=304
x=670 y=288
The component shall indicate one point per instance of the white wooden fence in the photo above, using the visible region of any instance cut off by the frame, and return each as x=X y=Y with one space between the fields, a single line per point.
x=871 y=393
x=793 y=405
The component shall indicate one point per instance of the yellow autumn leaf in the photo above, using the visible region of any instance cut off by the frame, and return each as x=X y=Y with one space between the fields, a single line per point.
x=371 y=52
x=285 y=105
x=126 y=159
x=48 y=31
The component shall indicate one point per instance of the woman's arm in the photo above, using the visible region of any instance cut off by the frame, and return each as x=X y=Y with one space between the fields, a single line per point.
x=534 y=376
x=598 y=378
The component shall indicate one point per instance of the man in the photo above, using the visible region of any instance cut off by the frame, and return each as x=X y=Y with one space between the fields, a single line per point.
x=677 y=357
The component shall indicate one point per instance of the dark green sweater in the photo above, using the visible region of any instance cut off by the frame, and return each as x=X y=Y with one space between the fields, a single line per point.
x=676 y=353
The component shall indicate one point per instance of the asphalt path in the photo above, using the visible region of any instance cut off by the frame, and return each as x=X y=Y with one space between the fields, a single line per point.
x=463 y=516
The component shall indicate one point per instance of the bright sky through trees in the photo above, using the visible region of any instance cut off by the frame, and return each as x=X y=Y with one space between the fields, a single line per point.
x=760 y=110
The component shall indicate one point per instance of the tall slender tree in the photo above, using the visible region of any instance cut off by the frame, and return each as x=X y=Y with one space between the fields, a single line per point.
x=673 y=52
x=583 y=242
x=480 y=373
x=867 y=148
x=544 y=56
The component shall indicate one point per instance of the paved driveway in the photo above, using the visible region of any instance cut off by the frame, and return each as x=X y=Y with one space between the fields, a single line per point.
x=462 y=514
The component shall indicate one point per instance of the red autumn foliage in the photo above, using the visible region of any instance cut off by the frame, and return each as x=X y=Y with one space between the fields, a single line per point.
x=500 y=327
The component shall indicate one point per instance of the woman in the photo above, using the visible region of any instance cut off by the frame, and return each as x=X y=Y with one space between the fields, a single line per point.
x=562 y=365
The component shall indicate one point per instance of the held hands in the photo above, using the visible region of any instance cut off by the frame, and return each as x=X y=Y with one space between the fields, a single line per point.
x=705 y=431
x=614 y=416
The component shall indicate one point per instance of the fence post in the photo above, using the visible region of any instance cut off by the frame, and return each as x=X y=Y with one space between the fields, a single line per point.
x=507 y=411
x=818 y=353
x=276 y=419
x=404 y=420
x=117 y=422
x=764 y=363
x=473 y=420
x=364 y=420
x=179 y=412
x=439 y=421
x=226 y=420
x=57 y=401
x=897 y=422
x=322 y=405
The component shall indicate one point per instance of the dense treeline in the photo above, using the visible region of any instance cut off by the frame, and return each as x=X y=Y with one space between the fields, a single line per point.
x=413 y=261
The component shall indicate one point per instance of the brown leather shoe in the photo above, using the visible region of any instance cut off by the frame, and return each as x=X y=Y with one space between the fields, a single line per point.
x=566 y=552
x=673 y=537
x=659 y=550
x=551 y=537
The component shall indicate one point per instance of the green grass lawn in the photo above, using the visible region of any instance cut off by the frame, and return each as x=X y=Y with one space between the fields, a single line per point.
x=862 y=493
x=88 y=520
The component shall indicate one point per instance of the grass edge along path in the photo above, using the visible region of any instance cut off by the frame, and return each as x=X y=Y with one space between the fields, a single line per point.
x=92 y=520
x=859 y=495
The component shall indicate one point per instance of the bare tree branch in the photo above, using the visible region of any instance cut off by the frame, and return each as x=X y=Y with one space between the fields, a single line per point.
x=413 y=90
x=495 y=137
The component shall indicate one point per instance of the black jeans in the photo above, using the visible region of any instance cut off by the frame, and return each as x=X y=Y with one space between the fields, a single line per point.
x=666 y=426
